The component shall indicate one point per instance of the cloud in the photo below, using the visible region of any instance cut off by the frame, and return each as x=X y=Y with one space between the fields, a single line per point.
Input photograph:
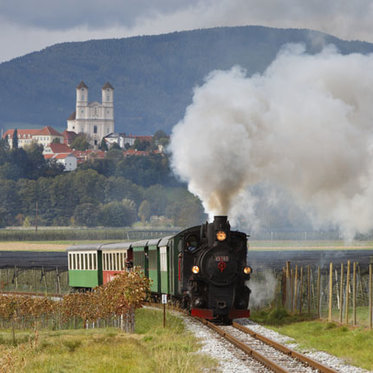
x=49 y=22
x=305 y=126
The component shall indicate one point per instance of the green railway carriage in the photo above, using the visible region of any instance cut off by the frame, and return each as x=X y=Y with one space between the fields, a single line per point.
x=85 y=266
x=164 y=264
x=140 y=255
x=154 y=265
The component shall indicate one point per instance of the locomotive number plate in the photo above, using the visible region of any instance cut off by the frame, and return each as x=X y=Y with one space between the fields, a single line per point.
x=222 y=258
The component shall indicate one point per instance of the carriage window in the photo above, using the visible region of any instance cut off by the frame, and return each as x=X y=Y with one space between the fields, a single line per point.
x=74 y=261
x=118 y=262
x=94 y=261
x=163 y=258
x=90 y=261
x=77 y=261
x=152 y=259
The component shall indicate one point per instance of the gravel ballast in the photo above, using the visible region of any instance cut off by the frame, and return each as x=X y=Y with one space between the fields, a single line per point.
x=233 y=360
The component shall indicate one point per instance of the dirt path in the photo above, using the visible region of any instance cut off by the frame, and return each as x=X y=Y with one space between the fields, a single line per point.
x=28 y=246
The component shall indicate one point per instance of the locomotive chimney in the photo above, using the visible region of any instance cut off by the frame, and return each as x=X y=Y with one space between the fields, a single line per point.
x=220 y=224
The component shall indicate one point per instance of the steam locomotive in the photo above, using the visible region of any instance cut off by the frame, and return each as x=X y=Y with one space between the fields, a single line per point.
x=203 y=267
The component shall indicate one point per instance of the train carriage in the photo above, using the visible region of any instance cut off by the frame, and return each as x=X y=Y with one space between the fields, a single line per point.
x=154 y=266
x=116 y=258
x=164 y=264
x=85 y=266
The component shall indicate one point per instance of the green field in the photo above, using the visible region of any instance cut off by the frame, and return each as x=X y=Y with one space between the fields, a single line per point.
x=151 y=348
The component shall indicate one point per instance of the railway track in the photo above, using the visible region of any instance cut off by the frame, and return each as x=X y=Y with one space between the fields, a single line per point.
x=271 y=354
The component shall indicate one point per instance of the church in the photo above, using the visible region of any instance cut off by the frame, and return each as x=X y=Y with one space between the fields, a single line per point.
x=92 y=118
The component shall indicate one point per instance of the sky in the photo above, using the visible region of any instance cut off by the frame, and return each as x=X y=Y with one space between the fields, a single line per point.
x=31 y=25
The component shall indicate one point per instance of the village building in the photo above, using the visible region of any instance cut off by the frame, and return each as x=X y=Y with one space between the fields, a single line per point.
x=123 y=140
x=43 y=136
x=62 y=154
x=94 y=119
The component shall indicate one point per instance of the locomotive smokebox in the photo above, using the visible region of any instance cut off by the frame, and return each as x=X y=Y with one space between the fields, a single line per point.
x=218 y=230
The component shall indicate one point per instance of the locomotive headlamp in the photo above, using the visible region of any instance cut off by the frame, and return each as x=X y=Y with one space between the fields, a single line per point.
x=195 y=269
x=221 y=236
x=247 y=270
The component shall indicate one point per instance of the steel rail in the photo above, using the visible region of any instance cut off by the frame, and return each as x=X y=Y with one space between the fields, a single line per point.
x=294 y=354
x=248 y=350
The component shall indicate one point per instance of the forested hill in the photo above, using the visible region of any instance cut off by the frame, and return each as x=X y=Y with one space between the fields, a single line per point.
x=153 y=76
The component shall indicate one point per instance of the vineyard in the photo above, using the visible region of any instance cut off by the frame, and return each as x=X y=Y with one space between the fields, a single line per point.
x=112 y=304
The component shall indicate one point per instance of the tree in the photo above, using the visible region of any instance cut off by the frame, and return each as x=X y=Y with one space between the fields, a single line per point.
x=141 y=145
x=56 y=140
x=117 y=214
x=37 y=162
x=103 y=145
x=81 y=142
x=86 y=214
x=15 y=139
x=115 y=145
x=144 y=211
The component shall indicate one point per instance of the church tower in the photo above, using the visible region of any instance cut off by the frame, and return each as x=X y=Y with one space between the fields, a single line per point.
x=93 y=118
x=81 y=100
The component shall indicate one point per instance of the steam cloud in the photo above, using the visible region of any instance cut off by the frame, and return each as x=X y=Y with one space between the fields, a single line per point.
x=305 y=125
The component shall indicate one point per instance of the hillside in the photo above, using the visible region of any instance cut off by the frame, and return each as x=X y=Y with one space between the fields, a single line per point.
x=153 y=76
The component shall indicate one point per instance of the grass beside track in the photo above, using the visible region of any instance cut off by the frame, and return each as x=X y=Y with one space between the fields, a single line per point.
x=151 y=348
x=351 y=344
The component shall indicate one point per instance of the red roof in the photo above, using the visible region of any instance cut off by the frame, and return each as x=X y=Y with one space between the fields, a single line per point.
x=84 y=155
x=135 y=152
x=23 y=133
x=59 y=148
x=49 y=131
x=62 y=156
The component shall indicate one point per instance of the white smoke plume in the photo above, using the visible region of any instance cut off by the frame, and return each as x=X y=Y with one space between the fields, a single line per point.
x=304 y=125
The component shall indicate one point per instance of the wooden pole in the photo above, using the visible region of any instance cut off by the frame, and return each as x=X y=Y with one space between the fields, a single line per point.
x=283 y=287
x=295 y=288
x=354 y=294
x=341 y=295
x=36 y=215
x=370 y=295
x=301 y=291
x=309 y=288
x=291 y=290
x=347 y=291
x=330 y=291
x=318 y=291
x=287 y=285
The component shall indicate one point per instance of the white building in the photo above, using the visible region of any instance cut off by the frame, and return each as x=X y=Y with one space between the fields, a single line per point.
x=44 y=136
x=92 y=118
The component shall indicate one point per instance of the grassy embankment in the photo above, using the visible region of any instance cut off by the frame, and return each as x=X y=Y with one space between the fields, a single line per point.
x=151 y=348
x=351 y=344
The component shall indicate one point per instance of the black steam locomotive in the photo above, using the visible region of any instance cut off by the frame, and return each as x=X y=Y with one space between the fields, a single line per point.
x=203 y=267
x=213 y=269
